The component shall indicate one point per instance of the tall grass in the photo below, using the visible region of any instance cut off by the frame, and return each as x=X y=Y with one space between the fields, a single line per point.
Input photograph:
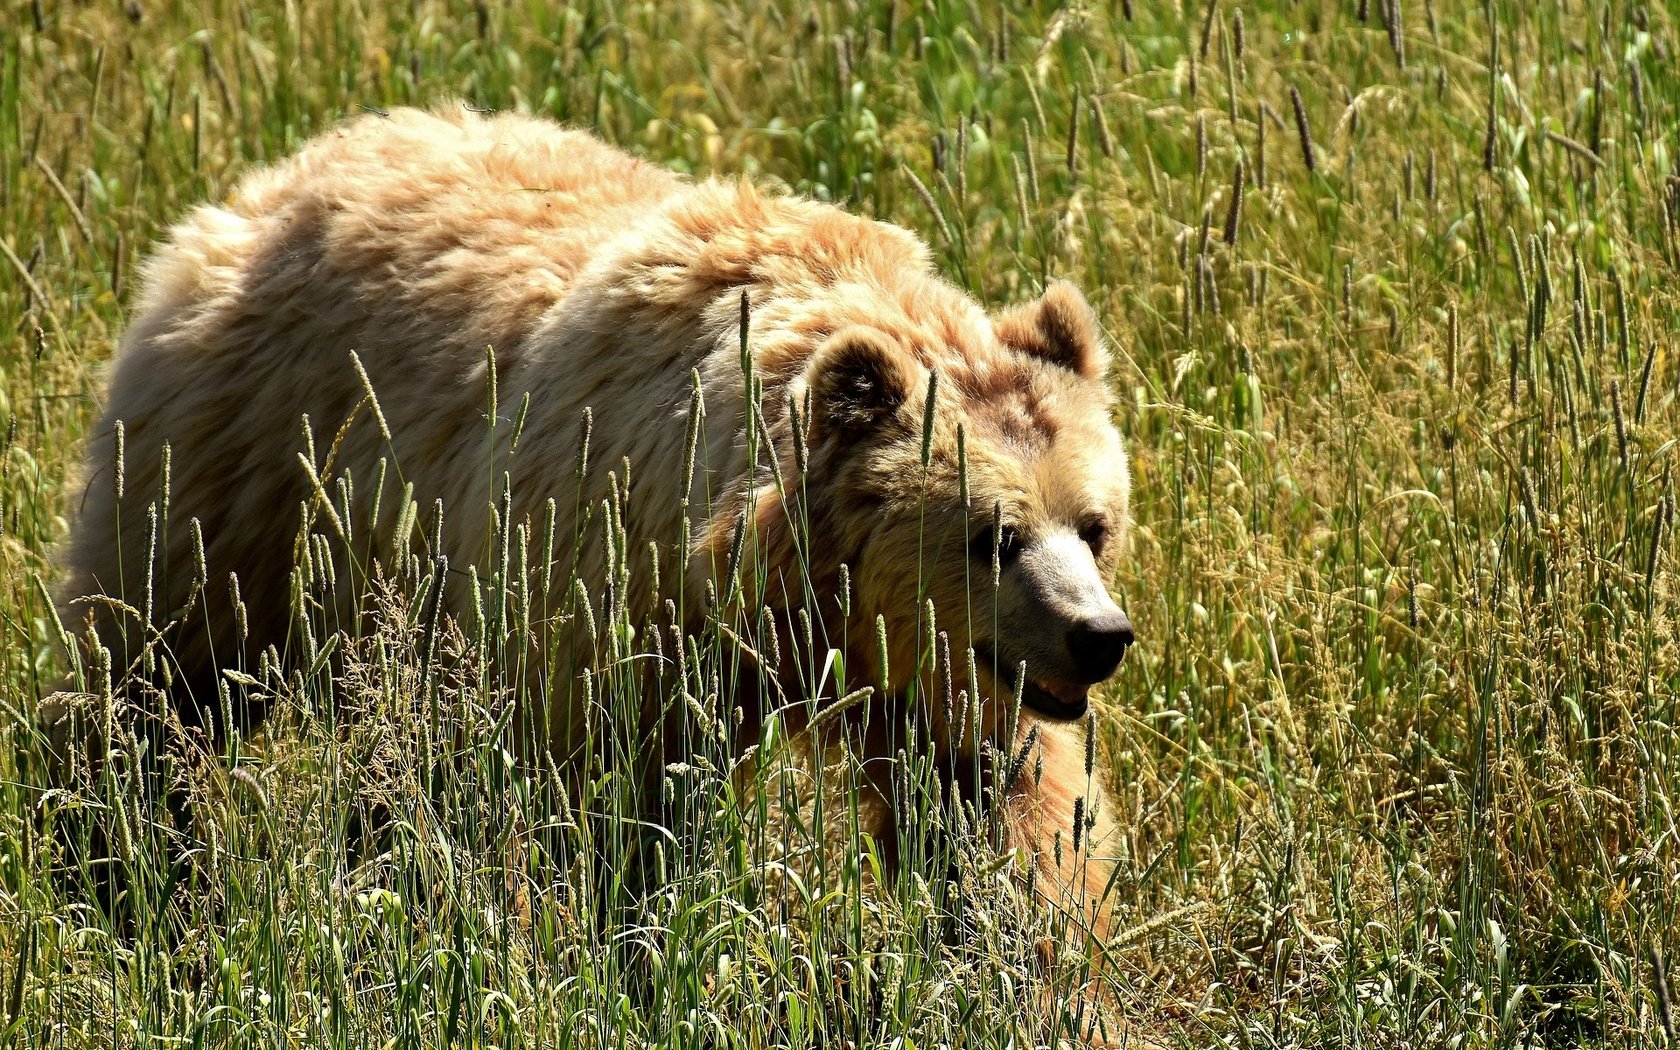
x=1391 y=289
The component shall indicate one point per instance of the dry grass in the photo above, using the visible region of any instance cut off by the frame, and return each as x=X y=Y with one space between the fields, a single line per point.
x=1397 y=752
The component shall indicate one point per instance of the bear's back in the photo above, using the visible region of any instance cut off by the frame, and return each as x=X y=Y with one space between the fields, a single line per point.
x=419 y=241
x=471 y=225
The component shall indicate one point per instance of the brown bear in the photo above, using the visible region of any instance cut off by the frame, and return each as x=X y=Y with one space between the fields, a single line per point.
x=457 y=302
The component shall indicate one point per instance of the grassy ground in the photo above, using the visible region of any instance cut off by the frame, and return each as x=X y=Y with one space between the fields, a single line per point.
x=1392 y=290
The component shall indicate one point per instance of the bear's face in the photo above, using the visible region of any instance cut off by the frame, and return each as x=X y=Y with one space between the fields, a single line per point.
x=1012 y=530
x=1046 y=526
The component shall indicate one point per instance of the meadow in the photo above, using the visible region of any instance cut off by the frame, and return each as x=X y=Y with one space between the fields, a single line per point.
x=1390 y=288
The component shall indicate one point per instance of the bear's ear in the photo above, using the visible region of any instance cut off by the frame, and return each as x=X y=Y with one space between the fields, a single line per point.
x=1058 y=327
x=857 y=380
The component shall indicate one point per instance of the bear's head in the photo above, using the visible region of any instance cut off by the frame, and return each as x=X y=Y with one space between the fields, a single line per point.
x=1006 y=506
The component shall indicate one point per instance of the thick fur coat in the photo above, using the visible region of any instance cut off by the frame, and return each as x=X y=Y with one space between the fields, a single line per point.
x=435 y=246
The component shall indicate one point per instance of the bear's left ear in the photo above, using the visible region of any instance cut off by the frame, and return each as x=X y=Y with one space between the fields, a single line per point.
x=1058 y=327
x=858 y=380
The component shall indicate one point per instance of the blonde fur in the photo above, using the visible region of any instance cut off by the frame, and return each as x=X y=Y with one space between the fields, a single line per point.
x=437 y=245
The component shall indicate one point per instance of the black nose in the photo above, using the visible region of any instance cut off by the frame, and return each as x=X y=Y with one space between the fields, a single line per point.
x=1098 y=644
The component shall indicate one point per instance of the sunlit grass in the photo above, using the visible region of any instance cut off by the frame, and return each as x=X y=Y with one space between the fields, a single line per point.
x=1392 y=305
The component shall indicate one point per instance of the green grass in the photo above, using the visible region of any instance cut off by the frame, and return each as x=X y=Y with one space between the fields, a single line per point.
x=1396 y=755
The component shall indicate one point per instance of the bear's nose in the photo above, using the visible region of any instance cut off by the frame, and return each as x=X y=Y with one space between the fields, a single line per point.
x=1098 y=644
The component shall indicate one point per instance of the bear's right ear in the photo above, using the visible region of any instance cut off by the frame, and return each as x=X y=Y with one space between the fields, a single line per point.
x=858 y=380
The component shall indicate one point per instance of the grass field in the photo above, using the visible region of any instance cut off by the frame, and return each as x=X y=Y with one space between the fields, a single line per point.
x=1391 y=289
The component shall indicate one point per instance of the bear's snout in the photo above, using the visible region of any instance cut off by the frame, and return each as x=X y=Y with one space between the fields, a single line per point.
x=1098 y=644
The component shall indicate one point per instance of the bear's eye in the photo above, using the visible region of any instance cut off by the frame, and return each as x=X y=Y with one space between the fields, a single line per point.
x=1003 y=543
x=1095 y=535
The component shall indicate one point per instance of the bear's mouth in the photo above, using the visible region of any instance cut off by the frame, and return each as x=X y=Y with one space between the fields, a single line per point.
x=1064 y=701
x=1057 y=699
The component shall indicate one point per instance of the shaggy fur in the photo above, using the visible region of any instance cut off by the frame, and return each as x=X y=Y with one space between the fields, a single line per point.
x=429 y=243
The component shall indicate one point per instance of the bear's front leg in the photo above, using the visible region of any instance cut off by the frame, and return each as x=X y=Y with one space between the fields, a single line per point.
x=1060 y=814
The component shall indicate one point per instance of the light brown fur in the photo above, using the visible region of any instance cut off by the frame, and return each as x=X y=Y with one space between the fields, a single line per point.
x=419 y=240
